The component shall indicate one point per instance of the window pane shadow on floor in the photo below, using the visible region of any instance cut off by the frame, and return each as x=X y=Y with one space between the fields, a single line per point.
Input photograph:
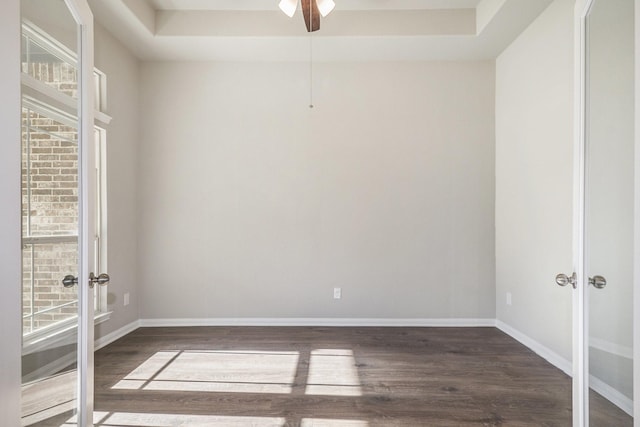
x=330 y=377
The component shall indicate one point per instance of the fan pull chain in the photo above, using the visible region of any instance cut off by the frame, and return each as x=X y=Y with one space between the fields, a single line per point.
x=310 y=71
x=311 y=56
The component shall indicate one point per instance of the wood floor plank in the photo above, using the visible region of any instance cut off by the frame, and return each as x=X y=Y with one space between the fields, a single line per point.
x=405 y=377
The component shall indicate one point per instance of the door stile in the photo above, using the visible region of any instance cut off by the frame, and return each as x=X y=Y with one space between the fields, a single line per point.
x=580 y=380
x=636 y=226
x=86 y=227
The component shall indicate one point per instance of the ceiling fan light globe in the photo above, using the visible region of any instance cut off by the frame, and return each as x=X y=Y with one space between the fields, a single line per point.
x=288 y=7
x=325 y=6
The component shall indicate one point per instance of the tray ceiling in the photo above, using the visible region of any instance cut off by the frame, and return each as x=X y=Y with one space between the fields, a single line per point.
x=357 y=30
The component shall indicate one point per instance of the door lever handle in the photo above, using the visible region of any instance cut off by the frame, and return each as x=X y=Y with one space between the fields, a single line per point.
x=69 y=281
x=101 y=279
x=564 y=280
x=598 y=282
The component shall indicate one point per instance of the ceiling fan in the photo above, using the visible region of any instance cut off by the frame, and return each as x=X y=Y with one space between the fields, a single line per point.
x=312 y=9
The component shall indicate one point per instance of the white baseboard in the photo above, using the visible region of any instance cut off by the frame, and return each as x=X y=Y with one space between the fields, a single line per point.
x=599 y=386
x=50 y=368
x=611 y=394
x=68 y=359
x=611 y=347
x=117 y=334
x=546 y=353
x=362 y=322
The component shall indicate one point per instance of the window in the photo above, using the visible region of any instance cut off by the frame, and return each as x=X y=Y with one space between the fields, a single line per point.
x=49 y=215
x=50 y=186
x=48 y=61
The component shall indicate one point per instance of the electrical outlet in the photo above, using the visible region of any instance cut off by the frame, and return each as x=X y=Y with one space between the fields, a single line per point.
x=126 y=298
x=508 y=298
x=337 y=293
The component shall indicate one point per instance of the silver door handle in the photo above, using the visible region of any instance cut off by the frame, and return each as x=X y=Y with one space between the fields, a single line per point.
x=101 y=279
x=69 y=280
x=564 y=280
x=598 y=282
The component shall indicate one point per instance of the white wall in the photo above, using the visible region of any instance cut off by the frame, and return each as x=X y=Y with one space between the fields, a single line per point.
x=10 y=258
x=253 y=205
x=122 y=70
x=534 y=175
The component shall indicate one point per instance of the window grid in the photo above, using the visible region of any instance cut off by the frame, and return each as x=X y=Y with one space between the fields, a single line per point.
x=50 y=187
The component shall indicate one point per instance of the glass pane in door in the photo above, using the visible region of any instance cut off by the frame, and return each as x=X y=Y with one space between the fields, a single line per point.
x=49 y=214
x=609 y=210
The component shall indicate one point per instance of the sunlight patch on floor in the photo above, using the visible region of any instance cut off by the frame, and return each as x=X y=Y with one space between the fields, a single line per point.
x=218 y=387
x=130 y=419
x=215 y=371
x=150 y=367
x=318 y=422
x=49 y=397
x=333 y=372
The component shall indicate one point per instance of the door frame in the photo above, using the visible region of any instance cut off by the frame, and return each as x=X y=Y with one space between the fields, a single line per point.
x=10 y=216
x=580 y=383
x=580 y=362
x=636 y=245
x=86 y=203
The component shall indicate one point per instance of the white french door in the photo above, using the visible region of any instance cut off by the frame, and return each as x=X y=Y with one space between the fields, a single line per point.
x=58 y=220
x=603 y=211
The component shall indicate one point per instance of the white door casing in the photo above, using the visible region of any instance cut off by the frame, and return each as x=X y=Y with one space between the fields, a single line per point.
x=86 y=227
x=10 y=217
x=581 y=306
x=636 y=250
x=580 y=385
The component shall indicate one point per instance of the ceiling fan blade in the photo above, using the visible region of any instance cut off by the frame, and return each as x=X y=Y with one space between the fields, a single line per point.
x=311 y=17
x=288 y=7
x=325 y=6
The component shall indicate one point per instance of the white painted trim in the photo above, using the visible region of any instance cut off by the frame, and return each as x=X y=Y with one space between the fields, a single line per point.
x=611 y=394
x=580 y=382
x=362 y=322
x=611 y=347
x=36 y=34
x=602 y=388
x=50 y=368
x=60 y=98
x=65 y=332
x=70 y=358
x=116 y=335
x=86 y=219
x=546 y=353
x=636 y=231
x=34 y=100
x=10 y=259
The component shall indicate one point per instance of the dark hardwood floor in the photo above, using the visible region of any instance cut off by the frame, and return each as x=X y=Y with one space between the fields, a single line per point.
x=331 y=377
x=403 y=377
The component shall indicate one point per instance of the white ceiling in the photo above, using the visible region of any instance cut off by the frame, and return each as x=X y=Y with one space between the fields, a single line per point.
x=357 y=30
